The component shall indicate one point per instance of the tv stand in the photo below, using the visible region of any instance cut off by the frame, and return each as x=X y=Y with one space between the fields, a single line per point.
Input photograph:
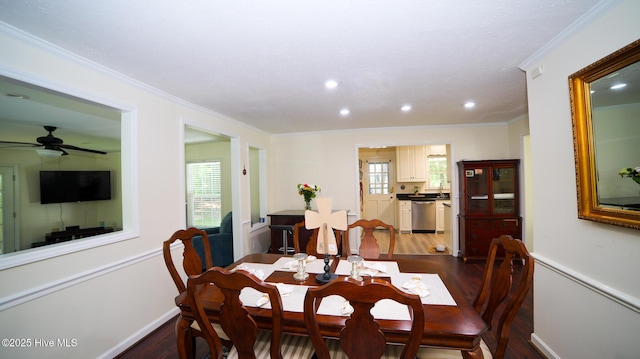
x=63 y=236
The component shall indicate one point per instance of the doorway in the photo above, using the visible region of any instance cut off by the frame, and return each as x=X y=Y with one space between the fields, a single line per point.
x=379 y=186
x=207 y=158
x=8 y=237
x=379 y=201
x=377 y=181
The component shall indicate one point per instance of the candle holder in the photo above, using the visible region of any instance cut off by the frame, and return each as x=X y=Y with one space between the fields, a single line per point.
x=355 y=260
x=326 y=277
x=301 y=274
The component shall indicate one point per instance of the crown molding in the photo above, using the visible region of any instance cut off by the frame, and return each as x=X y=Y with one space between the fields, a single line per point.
x=592 y=15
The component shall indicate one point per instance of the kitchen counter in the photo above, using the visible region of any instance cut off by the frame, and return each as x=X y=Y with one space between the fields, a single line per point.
x=288 y=217
x=421 y=196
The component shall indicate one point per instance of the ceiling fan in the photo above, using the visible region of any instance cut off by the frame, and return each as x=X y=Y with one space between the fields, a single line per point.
x=53 y=146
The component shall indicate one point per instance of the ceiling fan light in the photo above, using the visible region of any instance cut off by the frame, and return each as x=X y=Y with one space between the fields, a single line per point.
x=43 y=152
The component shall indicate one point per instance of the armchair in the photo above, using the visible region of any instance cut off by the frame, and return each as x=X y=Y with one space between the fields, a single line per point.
x=220 y=242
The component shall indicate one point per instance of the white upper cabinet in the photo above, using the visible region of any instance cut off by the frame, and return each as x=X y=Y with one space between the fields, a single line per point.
x=412 y=163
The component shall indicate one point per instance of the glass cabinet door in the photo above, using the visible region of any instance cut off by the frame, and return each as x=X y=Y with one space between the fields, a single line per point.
x=503 y=185
x=477 y=190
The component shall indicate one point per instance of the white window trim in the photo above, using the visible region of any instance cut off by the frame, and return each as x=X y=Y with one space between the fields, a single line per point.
x=129 y=179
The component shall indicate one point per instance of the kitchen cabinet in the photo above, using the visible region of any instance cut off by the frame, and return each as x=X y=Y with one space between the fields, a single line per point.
x=440 y=216
x=411 y=163
x=489 y=204
x=404 y=210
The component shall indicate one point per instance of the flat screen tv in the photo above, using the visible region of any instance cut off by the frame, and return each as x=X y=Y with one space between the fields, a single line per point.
x=74 y=186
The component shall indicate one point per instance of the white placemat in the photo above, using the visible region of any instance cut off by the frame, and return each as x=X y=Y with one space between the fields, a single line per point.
x=316 y=266
x=331 y=305
x=384 y=309
x=344 y=268
x=256 y=268
x=439 y=294
x=292 y=302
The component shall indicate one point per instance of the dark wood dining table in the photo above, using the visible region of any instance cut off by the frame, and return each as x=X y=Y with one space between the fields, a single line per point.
x=446 y=326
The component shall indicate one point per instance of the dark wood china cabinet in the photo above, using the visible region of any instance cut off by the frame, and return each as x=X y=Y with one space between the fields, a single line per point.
x=489 y=204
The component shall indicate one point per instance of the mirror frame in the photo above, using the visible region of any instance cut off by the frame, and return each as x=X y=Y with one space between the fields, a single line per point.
x=583 y=138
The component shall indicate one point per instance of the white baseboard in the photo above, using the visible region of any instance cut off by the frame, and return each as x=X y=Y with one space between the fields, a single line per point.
x=543 y=347
x=136 y=337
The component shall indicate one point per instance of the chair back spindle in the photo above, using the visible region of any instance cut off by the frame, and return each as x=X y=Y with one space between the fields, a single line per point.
x=361 y=336
x=235 y=320
x=369 y=247
x=497 y=283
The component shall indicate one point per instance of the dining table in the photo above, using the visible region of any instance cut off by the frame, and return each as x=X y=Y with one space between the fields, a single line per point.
x=450 y=321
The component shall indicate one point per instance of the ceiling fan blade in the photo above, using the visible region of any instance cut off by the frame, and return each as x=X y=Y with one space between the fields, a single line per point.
x=49 y=142
x=70 y=147
x=18 y=144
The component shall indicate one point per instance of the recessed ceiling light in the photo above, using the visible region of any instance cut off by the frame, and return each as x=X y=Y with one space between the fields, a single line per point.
x=345 y=111
x=618 y=86
x=470 y=104
x=405 y=108
x=331 y=84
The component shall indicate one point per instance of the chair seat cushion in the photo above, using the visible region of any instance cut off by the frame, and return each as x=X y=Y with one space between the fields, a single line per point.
x=336 y=352
x=434 y=353
x=221 y=334
x=291 y=346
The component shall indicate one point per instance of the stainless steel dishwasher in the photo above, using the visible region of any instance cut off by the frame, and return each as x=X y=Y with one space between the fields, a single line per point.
x=423 y=216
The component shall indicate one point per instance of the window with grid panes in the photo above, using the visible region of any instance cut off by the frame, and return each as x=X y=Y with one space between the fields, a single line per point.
x=437 y=172
x=378 y=177
x=204 y=200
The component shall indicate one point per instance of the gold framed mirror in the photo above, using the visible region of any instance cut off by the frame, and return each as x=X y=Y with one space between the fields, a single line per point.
x=605 y=106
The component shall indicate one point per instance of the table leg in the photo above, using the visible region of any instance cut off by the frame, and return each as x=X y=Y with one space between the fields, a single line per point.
x=473 y=354
x=184 y=339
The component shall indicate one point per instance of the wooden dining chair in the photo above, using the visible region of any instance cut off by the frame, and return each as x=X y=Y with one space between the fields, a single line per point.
x=496 y=292
x=311 y=247
x=191 y=261
x=361 y=336
x=192 y=265
x=369 y=247
x=248 y=341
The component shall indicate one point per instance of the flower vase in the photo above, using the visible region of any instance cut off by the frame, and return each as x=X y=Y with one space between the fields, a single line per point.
x=636 y=179
x=307 y=205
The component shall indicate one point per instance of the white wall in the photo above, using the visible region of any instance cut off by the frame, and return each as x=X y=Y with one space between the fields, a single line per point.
x=107 y=297
x=586 y=292
x=330 y=159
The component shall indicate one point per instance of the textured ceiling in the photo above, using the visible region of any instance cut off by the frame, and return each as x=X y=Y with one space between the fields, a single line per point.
x=264 y=62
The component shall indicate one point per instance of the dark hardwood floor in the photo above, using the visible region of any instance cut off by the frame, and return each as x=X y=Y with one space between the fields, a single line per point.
x=161 y=343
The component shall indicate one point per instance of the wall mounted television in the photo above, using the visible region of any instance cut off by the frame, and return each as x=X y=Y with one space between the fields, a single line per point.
x=74 y=186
